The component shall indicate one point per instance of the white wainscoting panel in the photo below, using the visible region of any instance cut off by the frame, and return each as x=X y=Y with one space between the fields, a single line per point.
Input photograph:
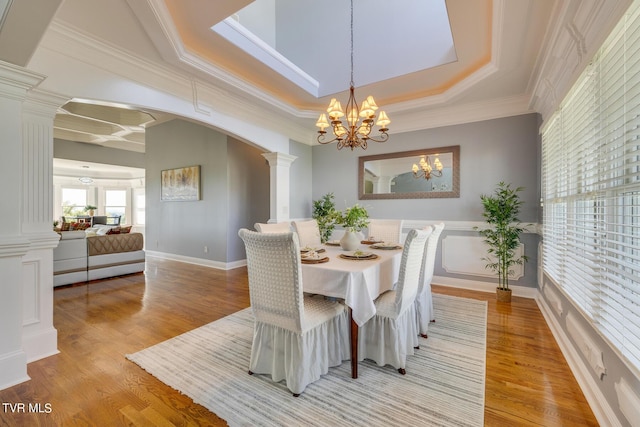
x=629 y=402
x=463 y=255
x=592 y=352
x=553 y=299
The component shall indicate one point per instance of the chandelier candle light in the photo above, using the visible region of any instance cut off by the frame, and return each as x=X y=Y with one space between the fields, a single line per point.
x=425 y=170
x=353 y=133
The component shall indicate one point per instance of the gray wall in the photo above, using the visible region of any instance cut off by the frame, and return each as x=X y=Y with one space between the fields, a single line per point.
x=505 y=149
x=490 y=151
x=616 y=368
x=248 y=190
x=301 y=179
x=185 y=228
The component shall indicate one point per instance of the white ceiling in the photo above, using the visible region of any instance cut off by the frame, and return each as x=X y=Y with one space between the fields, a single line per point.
x=499 y=52
x=285 y=36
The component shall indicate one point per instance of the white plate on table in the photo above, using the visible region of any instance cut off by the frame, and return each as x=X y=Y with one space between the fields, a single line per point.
x=359 y=255
x=386 y=246
x=310 y=249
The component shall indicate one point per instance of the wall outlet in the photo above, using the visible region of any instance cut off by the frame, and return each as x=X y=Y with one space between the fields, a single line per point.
x=206 y=249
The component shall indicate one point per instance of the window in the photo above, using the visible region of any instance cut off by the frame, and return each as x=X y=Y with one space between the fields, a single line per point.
x=116 y=204
x=591 y=191
x=73 y=201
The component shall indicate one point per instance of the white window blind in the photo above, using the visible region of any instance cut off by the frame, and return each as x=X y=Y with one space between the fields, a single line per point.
x=591 y=190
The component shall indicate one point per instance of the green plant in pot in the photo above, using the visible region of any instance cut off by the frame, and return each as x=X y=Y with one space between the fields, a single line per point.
x=501 y=210
x=353 y=219
x=324 y=212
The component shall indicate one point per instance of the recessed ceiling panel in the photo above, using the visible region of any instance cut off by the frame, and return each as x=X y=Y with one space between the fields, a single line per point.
x=389 y=41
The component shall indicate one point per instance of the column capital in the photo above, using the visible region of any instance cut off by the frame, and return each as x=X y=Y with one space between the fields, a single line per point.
x=279 y=159
x=15 y=81
x=43 y=103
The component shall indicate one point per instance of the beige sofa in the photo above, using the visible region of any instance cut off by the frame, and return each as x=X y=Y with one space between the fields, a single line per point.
x=79 y=257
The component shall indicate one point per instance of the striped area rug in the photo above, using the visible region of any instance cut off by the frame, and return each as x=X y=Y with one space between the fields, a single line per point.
x=444 y=384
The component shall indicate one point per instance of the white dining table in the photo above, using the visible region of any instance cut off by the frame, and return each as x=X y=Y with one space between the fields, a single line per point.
x=357 y=282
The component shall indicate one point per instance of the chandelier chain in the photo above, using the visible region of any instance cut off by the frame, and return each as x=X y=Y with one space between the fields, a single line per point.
x=355 y=131
x=352 y=83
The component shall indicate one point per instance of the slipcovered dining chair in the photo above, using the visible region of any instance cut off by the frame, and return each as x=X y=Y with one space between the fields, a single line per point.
x=308 y=233
x=424 y=299
x=295 y=338
x=392 y=334
x=276 y=227
x=386 y=230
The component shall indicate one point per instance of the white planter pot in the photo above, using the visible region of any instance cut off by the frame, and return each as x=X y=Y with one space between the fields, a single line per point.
x=350 y=241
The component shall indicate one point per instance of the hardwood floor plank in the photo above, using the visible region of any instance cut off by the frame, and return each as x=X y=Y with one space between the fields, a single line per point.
x=91 y=383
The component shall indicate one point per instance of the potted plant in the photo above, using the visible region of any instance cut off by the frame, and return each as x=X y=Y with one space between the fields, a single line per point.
x=353 y=219
x=324 y=212
x=90 y=209
x=503 y=235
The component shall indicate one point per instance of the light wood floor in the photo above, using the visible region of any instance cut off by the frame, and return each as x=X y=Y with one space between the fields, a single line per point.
x=91 y=383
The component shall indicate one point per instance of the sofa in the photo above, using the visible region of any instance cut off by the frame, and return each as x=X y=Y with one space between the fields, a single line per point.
x=84 y=255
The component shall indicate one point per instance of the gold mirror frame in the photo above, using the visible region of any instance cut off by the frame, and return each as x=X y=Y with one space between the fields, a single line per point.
x=453 y=186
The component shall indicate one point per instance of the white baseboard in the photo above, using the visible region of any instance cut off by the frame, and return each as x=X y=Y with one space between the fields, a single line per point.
x=198 y=261
x=597 y=401
x=13 y=369
x=40 y=344
x=475 y=285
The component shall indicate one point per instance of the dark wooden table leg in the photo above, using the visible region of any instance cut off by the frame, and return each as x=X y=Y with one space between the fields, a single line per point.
x=354 y=347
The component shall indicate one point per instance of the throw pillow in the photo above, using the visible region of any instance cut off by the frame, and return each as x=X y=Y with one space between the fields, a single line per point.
x=114 y=230
x=125 y=230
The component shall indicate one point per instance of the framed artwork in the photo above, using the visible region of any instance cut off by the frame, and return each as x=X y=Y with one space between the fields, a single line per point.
x=180 y=184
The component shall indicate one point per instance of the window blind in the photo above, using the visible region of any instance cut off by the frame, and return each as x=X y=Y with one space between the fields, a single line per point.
x=591 y=190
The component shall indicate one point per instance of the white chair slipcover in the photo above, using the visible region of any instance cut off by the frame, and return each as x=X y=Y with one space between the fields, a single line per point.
x=386 y=230
x=280 y=227
x=392 y=334
x=296 y=338
x=308 y=233
x=424 y=300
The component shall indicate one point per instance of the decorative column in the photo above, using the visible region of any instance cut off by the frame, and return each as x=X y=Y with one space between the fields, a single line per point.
x=14 y=85
x=280 y=164
x=39 y=337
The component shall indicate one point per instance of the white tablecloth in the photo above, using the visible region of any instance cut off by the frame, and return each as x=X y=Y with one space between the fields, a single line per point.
x=358 y=282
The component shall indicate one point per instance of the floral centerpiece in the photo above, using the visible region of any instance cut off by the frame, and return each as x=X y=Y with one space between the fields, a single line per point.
x=353 y=219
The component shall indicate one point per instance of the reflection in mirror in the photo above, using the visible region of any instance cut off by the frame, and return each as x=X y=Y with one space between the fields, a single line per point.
x=429 y=173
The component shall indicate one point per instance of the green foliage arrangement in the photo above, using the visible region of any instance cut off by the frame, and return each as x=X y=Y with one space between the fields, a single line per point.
x=90 y=207
x=501 y=212
x=354 y=218
x=324 y=212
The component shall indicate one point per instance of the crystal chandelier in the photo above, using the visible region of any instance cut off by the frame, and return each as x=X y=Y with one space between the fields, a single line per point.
x=353 y=133
x=425 y=170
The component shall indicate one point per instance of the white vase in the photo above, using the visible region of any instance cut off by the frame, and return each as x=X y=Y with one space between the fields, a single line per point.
x=350 y=241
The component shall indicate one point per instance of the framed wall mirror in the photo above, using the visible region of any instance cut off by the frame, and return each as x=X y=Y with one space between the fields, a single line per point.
x=418 y=174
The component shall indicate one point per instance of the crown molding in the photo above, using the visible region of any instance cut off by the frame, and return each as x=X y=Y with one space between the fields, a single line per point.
x=464 y=113
x=210 y=103
x=15 y=81
x=578 y=31
x=194 y=61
